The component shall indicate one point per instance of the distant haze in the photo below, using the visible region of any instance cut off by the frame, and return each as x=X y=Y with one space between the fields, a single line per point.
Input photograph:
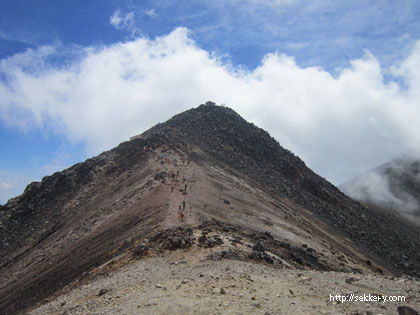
x=394 y=185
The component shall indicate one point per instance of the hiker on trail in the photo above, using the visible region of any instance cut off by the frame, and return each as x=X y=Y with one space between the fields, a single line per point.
x=173 y=176
x=185 y=188
x=182 y=216
x=183 y=204
x=179 y=206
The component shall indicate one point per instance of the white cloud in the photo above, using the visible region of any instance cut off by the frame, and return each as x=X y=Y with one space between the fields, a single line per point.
x=387 y=186
x=122 y=21
x=374 y=187
x=340 y=125
x=274 y=2
x=150 y=13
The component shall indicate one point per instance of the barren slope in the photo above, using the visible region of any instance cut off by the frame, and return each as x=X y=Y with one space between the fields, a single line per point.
x=236 y=181
x=253 y=155
x=186 y=282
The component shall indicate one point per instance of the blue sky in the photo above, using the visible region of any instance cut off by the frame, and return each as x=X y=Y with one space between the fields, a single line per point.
x=334 y=81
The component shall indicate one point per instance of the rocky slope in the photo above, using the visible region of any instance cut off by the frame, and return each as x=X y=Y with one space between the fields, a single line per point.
x=236 y=181
x=254 y=154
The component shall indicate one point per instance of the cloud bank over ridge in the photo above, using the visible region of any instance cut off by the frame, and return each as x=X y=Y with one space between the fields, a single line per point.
x=340 y=125
x=394 y=185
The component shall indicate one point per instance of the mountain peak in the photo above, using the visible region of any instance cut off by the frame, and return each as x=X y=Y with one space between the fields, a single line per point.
x=208 y=113
x=219 y=129
x=231 y=179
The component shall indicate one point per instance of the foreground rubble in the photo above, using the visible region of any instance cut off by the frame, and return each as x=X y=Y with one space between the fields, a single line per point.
x=192 y=281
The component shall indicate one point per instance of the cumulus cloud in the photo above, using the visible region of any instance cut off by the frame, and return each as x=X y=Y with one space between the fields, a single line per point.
x=122 y=21
x=340 y=125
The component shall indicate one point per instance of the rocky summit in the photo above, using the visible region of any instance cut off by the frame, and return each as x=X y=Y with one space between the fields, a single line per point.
x=209 y=198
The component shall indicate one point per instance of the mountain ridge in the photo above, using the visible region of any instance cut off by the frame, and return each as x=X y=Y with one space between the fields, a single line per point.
x=376 y=224
x=109 y=205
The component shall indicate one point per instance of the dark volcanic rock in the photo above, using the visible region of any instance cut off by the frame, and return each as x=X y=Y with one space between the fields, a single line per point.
x=140 y=250
x=406 y=310
x=258 y=247
x=173 y=239
x=102 y=292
